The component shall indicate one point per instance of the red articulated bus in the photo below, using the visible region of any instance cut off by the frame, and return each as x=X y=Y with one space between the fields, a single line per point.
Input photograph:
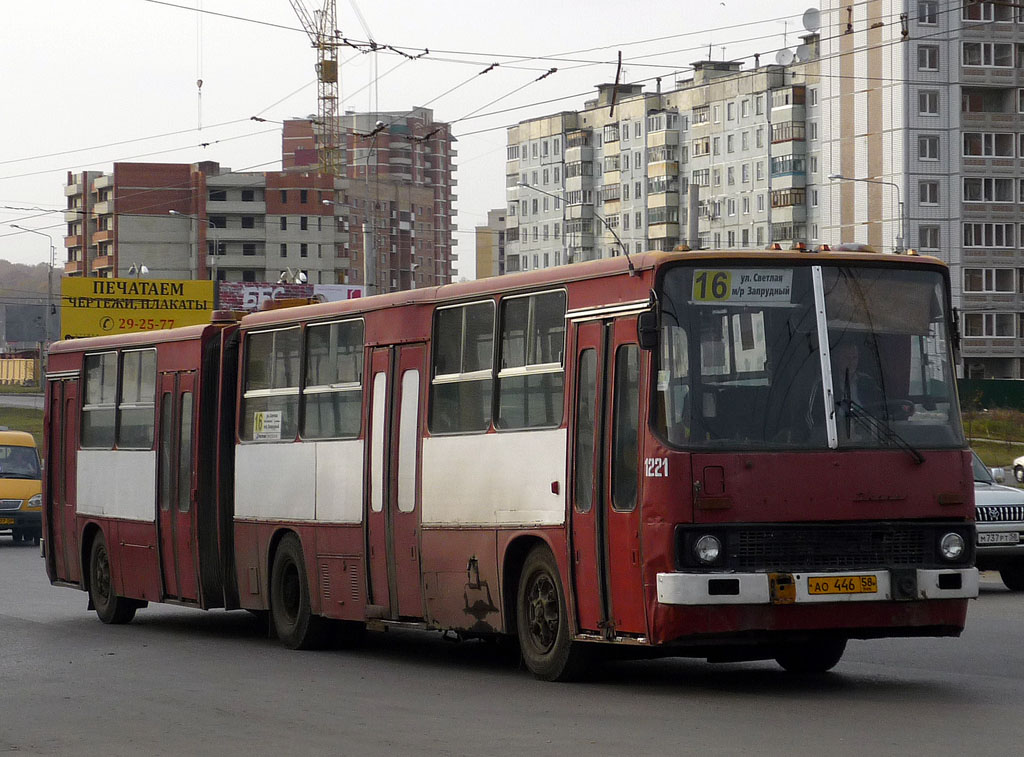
x=730 y=455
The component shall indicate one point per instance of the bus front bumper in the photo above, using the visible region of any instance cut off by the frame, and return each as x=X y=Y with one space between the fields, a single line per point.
x=698 y=589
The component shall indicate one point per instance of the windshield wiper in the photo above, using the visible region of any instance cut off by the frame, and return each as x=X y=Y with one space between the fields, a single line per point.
x=879 y=427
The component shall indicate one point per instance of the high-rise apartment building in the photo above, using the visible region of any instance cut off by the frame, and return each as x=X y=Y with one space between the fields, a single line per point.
x=202 y=221
x=921 y=109
x=716 y=162
x=490 y=245
x=392 y=154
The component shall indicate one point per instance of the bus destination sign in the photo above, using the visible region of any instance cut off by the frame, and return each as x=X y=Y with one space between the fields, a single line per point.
x=743 y=286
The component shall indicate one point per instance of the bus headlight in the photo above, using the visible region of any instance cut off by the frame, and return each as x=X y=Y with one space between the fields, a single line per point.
x=951 y=546
x=707 y=549
x=36 y=500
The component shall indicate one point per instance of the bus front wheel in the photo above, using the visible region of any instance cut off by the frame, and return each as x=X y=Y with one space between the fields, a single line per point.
x=542 y=621
x=109 y=607
x=290 y=611
x=818 y=656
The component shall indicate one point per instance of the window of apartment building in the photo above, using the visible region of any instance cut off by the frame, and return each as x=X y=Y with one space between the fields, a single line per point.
x=533 y=178
x=638 y=190
x=928 y=12
x=533 y=150
x=744 y=108
x=814 y=198
x=716 y=114
x=812 y=97
x=534 y=233
x=745 y=237
x=814 y=163
x=745 y=141
x=785 y=198
x=625 y=221
x=249 y=248
x=730 y=143
x=988 y=54
x=928 y=192
x=701 y=178
x=716 y=177
x=546 y=176
x=989 y=324
x=989 y=280
x=745 y=204
x=928 y=237
x=928 y=147
x=284 y=250
x=1020 y=95
x=248 y=222
x=638 y=160
x=759 y=137
x=990 y=11
x=701 y=147
x=986 y=144
x=303 y=196
x=759 y=105
x=556 y=146
x=557 y=174
x=303 y=250
x=928 y=102
x=248 y=195
x=979 y=189
x=249 y=275
x=544 y=149
x=730 y=207
x=546 y=201
x=534 y=205
x=760 y=203
x=624 y=131
x=544 y=232
x=730 y=111
x=745 y=173
x=638 y=129
x=638 y=219
x=759 y=170
x=218 y=195
x=303 y=223
x=927 y=57
x=284 y=196
x=512 y=153
x=716 y=145
x=556 y=229
x=730 y=176
x=989 y=235
x=760 y=235
x=625 y=191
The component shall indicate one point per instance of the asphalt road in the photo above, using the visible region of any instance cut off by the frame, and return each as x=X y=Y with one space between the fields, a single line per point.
x=179 y=681
x=22 y=400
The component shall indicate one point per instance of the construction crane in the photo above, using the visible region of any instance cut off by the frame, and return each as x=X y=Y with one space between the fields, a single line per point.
x=320 y=26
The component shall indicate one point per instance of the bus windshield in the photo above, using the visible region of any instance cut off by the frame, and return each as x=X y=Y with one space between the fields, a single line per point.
x=745 y=361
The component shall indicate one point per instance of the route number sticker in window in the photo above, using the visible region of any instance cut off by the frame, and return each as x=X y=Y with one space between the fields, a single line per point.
x=743 y=286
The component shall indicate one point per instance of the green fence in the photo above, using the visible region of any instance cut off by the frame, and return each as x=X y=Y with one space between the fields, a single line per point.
x=978 y=394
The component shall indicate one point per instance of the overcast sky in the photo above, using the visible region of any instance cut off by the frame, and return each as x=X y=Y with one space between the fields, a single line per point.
x=90 y=82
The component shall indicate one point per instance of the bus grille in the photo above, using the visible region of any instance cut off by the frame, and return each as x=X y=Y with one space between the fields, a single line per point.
x=1000 y=513
x=10 y=504
x=799 y=547
x=828 y=548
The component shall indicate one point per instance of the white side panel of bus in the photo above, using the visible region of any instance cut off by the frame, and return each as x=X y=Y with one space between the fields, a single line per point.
x=339 y=481
x=117 y=484
x=494 y=479
x=275 y=481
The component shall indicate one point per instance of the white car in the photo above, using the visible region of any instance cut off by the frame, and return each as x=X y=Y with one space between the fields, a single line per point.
x=1000 y=523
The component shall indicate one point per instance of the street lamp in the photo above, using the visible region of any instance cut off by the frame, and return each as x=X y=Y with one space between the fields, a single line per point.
x=208 y=222
x=898 y=246
x=49 y=275
x=625 y=250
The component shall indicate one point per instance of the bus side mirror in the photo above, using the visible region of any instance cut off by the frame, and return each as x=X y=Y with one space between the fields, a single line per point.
x=647 y=330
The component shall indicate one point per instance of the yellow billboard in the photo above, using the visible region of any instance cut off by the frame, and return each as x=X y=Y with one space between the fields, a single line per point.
x=97 y=307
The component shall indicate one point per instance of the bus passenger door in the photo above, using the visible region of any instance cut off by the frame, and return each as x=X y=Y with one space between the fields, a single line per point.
x=378 y=580
x=393 y=514
x=605 y=476
x=61 y=449
x=404 y=500
x=176 y=491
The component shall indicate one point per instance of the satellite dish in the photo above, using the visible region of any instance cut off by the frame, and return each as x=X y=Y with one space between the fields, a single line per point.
x=784 y=56
x=803 y=53
x=812 y=19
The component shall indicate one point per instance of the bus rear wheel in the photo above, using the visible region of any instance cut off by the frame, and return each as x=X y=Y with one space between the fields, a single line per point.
x=290 y=611
x=818 y=656
x=110 y=608
x=542 y=621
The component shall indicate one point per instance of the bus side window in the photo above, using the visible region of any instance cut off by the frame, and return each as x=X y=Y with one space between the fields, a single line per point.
x=625 y=428
x=136 y=410
x=332 y=397
x=531 y=380
x=99 y=403
x=462 y=385
x=270 y=403
x=586 y=400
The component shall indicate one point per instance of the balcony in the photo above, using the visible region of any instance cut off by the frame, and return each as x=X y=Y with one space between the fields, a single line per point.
x=70 y=190
x=72 y=267
x=662 y=230
x=214 y=208
x=102 y=236
x=73 y=241
x=70 y=216
x=103 y=208
x=101 y=262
